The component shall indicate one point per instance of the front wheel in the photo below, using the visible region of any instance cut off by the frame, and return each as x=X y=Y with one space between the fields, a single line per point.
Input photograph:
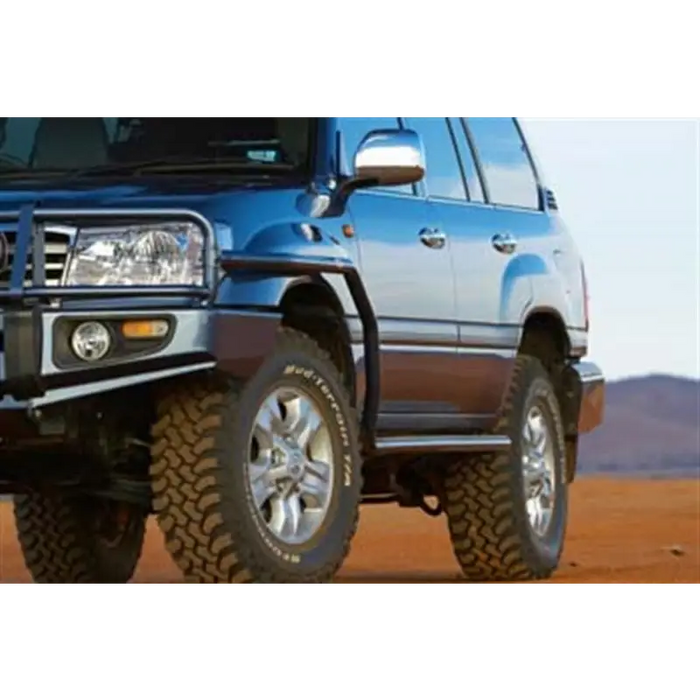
x=507 y=512
x=67 y=538
x=260 y=483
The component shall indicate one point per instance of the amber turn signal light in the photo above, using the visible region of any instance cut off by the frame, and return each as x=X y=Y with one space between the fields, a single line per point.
x=145 y=329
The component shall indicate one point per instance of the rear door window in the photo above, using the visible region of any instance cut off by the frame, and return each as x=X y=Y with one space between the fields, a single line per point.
x=466 y=156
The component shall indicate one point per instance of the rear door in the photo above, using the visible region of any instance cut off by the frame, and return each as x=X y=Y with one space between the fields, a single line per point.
x=506 y=233
x=453 y=186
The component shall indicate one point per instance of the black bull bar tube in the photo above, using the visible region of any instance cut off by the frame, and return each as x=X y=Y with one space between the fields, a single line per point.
x=21 y=341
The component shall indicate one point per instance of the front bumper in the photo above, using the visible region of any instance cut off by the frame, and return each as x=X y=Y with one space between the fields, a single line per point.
x=36 y=313
x=31 y=376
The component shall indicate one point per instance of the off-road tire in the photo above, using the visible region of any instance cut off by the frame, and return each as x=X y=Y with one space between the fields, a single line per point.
x=200 y=447
x=60 y=542
x=485 y=500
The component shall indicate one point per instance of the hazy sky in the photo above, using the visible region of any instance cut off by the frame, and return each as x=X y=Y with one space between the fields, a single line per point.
x=630 y=193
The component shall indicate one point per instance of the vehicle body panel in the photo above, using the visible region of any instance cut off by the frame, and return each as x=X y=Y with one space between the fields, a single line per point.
x=449 y=320
x=412 y=292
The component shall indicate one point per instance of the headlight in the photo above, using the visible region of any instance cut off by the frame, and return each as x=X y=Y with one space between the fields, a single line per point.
x=143 y=255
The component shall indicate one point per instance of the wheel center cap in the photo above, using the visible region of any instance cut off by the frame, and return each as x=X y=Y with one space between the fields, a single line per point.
x=295 y=465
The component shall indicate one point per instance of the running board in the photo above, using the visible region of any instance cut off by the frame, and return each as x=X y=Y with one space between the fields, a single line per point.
x=410 y=444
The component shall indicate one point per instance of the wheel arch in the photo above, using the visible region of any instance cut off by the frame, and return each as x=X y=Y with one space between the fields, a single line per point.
x=544 y=335
x=310 y=305
x=316 y=267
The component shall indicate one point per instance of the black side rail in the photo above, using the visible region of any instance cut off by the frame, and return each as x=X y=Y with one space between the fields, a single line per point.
x=284 y=265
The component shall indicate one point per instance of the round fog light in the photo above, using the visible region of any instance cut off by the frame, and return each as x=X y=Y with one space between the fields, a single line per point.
x=91 y=341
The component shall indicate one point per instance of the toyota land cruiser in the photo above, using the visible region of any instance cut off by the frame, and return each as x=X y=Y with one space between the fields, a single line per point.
x=250 y=327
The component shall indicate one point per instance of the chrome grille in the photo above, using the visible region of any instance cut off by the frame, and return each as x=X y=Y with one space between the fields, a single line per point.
x=56 y=247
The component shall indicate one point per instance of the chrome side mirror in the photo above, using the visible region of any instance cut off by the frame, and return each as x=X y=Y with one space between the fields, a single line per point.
x=389 y=157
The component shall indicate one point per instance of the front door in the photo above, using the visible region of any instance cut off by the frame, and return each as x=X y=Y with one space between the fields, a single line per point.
x=407 y=269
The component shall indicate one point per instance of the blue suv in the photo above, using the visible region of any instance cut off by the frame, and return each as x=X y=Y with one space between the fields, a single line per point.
x=250 y=327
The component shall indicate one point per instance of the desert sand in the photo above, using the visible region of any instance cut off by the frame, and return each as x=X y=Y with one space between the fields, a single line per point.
x=621 y=531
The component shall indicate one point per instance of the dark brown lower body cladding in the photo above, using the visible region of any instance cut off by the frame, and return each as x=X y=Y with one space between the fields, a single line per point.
x=458 y=388
x=461 y=382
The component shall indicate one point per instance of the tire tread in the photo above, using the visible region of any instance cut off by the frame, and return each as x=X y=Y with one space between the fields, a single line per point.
x=481 y=496
x=191 y=447
x=58 y=546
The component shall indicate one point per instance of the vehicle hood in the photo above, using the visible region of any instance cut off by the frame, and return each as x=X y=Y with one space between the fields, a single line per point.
x=261 y=213
x=88 y=193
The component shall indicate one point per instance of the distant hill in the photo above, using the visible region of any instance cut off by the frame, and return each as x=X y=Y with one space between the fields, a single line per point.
x=652 y=425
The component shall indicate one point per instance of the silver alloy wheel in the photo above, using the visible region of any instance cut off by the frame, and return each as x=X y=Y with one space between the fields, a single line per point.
x=539 y=473
x=290 y=467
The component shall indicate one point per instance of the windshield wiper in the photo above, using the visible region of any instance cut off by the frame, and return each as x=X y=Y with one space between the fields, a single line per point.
x=180 y=165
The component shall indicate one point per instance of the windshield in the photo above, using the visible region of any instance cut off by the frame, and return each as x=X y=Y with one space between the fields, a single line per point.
x=89 y=146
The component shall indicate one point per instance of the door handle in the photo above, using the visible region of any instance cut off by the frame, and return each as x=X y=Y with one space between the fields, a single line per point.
x=433 y=238
x=505 y=243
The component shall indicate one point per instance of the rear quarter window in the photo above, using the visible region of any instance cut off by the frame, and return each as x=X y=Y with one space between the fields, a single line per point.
x=505 y=164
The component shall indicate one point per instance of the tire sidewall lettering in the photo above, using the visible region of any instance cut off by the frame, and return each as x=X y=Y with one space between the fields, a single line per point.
x=320 y=389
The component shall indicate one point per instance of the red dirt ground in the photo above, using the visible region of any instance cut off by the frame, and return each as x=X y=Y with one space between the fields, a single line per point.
x=621 y=531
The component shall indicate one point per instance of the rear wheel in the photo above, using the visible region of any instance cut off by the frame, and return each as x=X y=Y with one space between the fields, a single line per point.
x=71 y=539
x=507 y=511
x=260 y=483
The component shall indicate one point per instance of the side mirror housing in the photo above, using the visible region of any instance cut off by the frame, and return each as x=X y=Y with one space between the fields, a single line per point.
x=384 y=158
x=388 y=158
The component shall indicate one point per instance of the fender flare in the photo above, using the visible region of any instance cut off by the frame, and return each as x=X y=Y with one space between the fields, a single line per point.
x=555 y=317
x=287 y=266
